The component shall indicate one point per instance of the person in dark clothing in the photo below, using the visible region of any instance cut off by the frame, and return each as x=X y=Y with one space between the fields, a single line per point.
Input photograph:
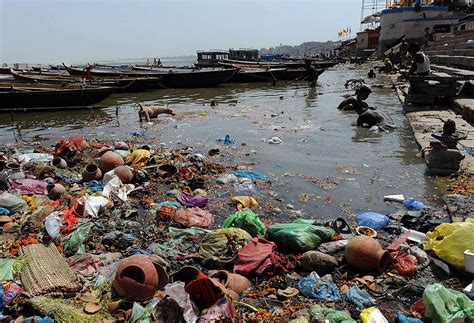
x=356 y=103
x=371 y=74
x=311 y=73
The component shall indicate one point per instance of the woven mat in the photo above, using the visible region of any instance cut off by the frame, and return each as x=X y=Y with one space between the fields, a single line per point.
x=46 y=271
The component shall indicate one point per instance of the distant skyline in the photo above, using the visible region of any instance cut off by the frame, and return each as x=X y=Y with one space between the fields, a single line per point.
x=52 y=31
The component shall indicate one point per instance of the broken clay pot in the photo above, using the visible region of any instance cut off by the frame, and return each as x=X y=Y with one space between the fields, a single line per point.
x=136 y=278
x=91 y=172
x=366 y=255
x=235 y=282
x=55 y=191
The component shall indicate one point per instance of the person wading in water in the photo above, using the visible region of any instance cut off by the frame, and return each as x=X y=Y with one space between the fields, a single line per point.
x=356 y=103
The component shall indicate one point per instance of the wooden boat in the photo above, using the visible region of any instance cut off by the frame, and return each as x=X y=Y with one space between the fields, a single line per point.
x=248 y=75
x=280 y=64
x=170 y=78
x=24 y=97
x=123 y=85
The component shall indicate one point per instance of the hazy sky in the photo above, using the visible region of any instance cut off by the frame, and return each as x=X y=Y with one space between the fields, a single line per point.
x=51 y=31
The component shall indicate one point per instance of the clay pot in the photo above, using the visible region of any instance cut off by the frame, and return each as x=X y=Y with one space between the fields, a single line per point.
x=91 y=172
x=5 y=219
x=103 y=150
x=136 y=278
x=124 y=173
x=109 y=161
x=55 y=191
x=166 y=212
x=121 y=145
x=366 y=255
x=234 y=282
x=167 y=170
x=317 y=261
x=200 y=182
x=14 y=170
x=59 y=162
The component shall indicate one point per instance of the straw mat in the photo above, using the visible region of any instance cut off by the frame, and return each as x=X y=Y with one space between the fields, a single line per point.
x=46 y=271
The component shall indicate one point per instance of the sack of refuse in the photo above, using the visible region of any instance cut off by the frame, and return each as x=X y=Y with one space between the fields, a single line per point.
x=219 y=248
x=299 y=236
x=372 y=220
x=246 y=220
x=450 y=240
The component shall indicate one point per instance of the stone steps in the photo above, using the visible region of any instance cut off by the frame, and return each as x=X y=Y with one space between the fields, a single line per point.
x=458 y=61
x=450 y=52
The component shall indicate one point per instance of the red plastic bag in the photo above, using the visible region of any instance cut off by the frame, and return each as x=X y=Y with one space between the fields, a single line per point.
x=417 y=309
x=405 y=265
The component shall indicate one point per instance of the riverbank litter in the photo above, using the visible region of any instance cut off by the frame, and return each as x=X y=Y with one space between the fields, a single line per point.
x=96 y=231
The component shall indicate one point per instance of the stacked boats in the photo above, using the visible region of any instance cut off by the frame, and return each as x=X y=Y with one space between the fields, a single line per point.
x=76 y=87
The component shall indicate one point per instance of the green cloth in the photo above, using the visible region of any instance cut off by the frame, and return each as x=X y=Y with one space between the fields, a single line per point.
x=6 y=269
x=246 y=220
x=219 y=248
x=334 y=316
x=299 y=236
x=142 y=314
x=444 y=305
x=75 y=242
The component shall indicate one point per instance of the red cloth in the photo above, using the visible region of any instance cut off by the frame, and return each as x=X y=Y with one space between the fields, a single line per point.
x=69 y=220
x=65 y=144
x=202 y=291
x=395 y=245
x=405 y=265
x=417 y=309
x=259 y=256
x=29 y=186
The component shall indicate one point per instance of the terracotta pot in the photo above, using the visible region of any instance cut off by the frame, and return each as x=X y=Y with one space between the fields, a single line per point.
x=235 y=282
x=366 y=255
x=91 y=172
x=109 y=161
x=103 y=150
x=14 y=170
x=167 y=170
x=136 y=278
x=124 y=173
x=200 y=182
x=55 y=191
x=5 y=219
x=121 y=145
x=59 y=162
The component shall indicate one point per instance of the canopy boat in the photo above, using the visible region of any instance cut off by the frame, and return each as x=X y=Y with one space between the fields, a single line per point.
x=125 y=84
x=170 y=78
x=24 y=97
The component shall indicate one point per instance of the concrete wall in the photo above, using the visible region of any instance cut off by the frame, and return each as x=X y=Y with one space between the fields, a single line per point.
x=405 y=21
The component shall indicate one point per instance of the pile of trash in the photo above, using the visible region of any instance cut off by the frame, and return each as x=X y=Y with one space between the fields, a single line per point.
x=96 y=231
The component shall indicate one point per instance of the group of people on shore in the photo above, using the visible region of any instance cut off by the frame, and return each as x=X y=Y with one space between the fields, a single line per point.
x=420 y=62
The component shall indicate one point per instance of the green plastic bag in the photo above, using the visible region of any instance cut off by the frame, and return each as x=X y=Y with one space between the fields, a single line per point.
x=450 y=240
x=219 y=248
x=334 y=316
x=444 y=305
x=75 y=242
x=299 y=237
x=6 y=269
x=246 y=220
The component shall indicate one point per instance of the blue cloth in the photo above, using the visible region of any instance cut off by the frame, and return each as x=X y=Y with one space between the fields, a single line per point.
x=250 y=174
x=228 y=140
x=401 y=318
x=172 y=203
x=137 y=134
x=372 y=220
x=319 y=289
x=4 y=211
x=359 y=297
x=38 y=319
x=413 y=205
x=94 y=186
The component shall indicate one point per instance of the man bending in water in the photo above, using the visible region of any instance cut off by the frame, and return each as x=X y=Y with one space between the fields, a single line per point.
x=375 y=118
x=356 y=103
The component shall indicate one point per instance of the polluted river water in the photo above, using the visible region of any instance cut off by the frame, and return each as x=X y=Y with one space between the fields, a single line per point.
x=325 y=165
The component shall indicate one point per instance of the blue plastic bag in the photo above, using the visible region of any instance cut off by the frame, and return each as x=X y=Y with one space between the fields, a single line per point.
x=359 y=297
x=94 y=186
x=250 y=174
x=372 y=220
x=319 y=289
x=228 y=140
x=4 y=211
x=401 y=318
x=413 y=205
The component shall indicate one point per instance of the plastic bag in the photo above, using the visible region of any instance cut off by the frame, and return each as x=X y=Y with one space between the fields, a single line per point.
x=405 y=265
x=138 y=158
x=315 y=287
x=75 y=241
x=244 y=201
x=299 y=237
x=371 y=315
x=178 y=294
x=194 y=217
x=372 y=220
x=35 y=157
x=6 y=269
x=401 y=318
x=52 y=224
x=413 y=205
x=319 y=313
x=450 y=240
x=13 y=203
x=246 y=220
x=444 y=305
x=221 y=246
x=359 y=297
x=250 y=174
